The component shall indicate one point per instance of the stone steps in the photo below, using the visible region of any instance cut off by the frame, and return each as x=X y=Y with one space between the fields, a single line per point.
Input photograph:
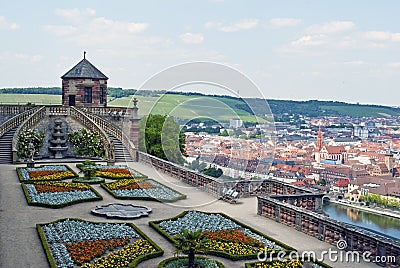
x=121 y=153
x=6 y=147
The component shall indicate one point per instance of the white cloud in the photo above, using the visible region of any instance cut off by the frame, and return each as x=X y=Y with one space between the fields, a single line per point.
x=309 y=40
x=284 y=22
x=192 y=38
x=331 y=27
x=61 y=30
x=356 y=62
x=7 y=56
x=394 y=64
x=382 y=36
x=4 y=24
x=244 y=24
x=75 y=15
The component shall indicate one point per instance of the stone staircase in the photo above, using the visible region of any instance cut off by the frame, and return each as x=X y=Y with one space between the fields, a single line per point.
x=6 y=147
x=121 y=153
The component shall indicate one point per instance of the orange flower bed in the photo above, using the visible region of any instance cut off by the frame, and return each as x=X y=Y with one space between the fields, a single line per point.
x=39 y=173
x=234 y=236
x=85 y=251
x=55 y=189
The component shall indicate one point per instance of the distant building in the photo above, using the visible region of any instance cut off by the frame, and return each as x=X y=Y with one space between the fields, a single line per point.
x=338 y=154
x=84 y=85
x=235 y=123
x=365 y=131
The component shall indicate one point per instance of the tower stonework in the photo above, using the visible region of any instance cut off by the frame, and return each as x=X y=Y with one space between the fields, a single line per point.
x=84 y=86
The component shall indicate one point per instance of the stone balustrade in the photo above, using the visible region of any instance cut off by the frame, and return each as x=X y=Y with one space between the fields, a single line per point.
x=16 y=120
x=11 y=109
x=85 y=120
x=32 y=118
x=329 y=230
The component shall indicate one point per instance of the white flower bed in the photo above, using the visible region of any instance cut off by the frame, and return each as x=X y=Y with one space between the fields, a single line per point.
x=58 y=198
x=195 y=220
x=25 y=171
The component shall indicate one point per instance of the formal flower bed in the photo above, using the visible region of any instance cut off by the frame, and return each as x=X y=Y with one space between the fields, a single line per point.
x=179 y=262
x=55 y=194
x=286 y=263
x=45 y=173
x=145 y=189
x=74 y=242
x=115 y=172
x=227 y=237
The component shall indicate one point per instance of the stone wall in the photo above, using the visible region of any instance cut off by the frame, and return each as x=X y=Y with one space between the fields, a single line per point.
x=76 y=87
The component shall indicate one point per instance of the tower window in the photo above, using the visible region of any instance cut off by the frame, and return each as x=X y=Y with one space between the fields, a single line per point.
x=87 y=97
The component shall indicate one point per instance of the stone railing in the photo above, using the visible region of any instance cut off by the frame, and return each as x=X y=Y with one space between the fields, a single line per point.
x=32 y=118
x=14 y=109
x=85 y=120
x=217 y=187
x=329 y=230
x=15 y=121
x=57 y=110
x=116 y=132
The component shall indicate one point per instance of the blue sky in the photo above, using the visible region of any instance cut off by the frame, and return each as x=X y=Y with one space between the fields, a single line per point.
x=327 y=50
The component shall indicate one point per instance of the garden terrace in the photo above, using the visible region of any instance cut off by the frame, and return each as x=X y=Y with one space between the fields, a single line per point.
x=66 y=243
x=286 y=263
x=228 y=238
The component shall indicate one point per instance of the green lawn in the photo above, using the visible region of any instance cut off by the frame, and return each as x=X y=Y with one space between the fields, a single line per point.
x=32 y=98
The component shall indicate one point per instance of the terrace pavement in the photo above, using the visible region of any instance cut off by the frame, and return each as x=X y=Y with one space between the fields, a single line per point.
x=20 y=245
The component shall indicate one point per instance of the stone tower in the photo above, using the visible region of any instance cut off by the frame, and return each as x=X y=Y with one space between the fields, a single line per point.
x=84 y=86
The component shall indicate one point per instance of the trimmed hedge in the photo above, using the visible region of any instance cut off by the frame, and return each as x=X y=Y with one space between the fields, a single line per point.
x=288 y=249
x=159 y=251
x=92 y=180
x=148 y=198
x=164 y=262
x=65 y=178
x=29 y=201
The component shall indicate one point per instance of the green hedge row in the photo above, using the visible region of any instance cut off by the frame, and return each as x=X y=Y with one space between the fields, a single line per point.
x=68 y=168
x=159 y=252
x=287 y=249
x=166 y=261
x=28 y=199
x=92 y=180
x=148 y=198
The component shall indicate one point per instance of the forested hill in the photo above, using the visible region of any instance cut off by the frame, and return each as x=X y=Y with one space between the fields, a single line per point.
x=310 y=108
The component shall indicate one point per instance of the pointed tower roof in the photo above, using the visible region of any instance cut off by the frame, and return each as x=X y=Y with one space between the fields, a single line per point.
x=84 y=69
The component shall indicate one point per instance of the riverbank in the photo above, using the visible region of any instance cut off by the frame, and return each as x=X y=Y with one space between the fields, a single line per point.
x=370 y=210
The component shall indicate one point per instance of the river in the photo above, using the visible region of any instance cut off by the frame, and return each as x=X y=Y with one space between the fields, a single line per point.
x=382 y=224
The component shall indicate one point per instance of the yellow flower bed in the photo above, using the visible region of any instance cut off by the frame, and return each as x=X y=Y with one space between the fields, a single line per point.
x=123 y=257
x=56 y=176
x=286 y=263
x=233 y=248
x=121 y=183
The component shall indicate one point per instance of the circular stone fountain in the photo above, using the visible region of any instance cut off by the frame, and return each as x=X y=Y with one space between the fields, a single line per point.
x=122 y=211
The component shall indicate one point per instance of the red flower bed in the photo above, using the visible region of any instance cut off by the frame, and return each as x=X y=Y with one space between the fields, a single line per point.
x=55 y=189
x=87 y=250
x=234 y=236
